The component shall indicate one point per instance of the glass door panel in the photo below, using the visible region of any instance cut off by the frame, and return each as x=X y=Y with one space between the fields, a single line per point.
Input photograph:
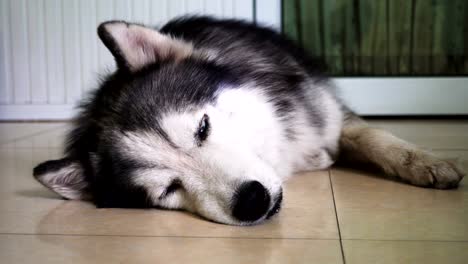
x=363 y=38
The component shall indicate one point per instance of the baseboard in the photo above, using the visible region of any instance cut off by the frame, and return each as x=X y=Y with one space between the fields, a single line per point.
x=384 y=96
x=51 y=112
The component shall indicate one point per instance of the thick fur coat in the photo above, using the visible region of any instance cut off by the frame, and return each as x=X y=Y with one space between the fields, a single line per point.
x=212 y=116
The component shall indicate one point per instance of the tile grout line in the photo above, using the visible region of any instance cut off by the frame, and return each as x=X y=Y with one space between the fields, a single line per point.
x=336 y=216
x=221 y=237
x=165 y=236
x=406 y=240
x=449 y=149
x=31 y=135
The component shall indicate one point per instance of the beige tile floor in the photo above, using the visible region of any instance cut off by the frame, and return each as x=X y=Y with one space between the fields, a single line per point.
x=335 y=216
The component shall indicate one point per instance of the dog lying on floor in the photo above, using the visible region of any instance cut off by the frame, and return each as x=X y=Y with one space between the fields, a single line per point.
x=212 y=116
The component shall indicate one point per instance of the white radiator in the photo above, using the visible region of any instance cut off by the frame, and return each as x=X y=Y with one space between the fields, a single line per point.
x=50 y=55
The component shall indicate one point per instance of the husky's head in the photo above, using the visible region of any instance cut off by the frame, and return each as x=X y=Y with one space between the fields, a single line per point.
x=177 y=131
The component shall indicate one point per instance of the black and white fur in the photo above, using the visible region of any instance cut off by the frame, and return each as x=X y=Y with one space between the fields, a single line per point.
x=212 y=116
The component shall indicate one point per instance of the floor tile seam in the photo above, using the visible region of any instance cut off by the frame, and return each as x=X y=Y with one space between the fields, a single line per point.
x=247 y=238
x=449 y=149
x=166 y=236
x=404 y=240
x=336 y=217
x=31 y=135
x=27 y=148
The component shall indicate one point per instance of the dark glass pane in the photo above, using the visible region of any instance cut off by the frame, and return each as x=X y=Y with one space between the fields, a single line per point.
x=382 y=37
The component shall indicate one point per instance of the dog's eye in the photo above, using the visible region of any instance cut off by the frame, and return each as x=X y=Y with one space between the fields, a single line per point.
x=173 y=187
x=203 y=129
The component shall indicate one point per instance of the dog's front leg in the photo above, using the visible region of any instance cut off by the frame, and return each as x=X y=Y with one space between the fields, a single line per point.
x=362 y=143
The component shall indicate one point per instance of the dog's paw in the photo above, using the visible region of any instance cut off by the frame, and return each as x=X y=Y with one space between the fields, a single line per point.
x=428 y=171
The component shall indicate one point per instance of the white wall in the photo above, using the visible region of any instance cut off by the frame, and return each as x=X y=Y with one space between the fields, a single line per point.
x=50 y=55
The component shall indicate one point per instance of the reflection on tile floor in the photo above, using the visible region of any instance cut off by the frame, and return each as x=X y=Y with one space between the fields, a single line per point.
x=132 y=249
x=380 y=221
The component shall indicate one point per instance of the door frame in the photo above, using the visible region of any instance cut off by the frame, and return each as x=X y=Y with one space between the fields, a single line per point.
x=378 y=96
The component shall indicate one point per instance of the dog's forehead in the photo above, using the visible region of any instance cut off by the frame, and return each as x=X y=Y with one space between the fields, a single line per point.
x=176 y=86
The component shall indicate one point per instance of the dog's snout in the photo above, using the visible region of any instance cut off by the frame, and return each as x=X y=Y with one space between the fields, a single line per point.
x=251 y=201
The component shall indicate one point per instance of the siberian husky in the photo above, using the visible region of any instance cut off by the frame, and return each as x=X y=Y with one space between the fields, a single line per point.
x=212 y=116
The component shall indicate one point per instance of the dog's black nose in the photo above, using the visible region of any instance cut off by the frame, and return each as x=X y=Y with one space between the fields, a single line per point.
x=251 y=201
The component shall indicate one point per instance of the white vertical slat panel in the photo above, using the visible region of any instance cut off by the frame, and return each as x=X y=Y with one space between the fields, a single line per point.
x=72 y=47
x=195 y=7
x=88 y=44
x=20 y=52
x=141 y=11
x=268 y=13
x=123 y=10
x=176 y=8
x=104 y=12
x=37 y=65
x=159 y=13
x=54 y=51
x=50 y=53
x=243 y=9
x=214 y=7
x=6 y=87
x=228 y=8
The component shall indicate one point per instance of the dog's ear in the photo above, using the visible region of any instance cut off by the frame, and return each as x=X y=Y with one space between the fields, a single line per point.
x=65 y=177
x=135 y=46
